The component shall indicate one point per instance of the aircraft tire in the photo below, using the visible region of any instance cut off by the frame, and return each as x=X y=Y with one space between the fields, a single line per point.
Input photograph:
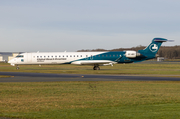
x=96 y=68
x=17 y=67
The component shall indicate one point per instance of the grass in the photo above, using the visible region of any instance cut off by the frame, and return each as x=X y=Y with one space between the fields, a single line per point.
x=125 y=69
x=99 y=100
x=4 y=76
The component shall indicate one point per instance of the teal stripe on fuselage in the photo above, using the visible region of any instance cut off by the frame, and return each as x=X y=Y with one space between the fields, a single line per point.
x=118 y=57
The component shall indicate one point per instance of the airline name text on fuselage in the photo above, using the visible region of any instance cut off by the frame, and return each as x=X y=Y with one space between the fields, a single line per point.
x=43 y=59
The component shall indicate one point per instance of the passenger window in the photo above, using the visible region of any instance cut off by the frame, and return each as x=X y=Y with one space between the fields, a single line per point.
x=37 y=56
x=44 y=56
x=74 y=56
x=77 y=55
x=86 y=55
x=59 y=56
x=67 y=56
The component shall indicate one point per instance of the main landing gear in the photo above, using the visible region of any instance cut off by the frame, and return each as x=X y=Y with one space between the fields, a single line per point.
x=96 y=67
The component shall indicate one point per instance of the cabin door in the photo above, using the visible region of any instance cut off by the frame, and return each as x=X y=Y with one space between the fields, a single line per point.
x=29 y=57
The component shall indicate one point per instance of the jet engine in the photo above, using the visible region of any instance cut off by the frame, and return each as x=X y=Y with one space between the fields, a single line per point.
x=132 y=54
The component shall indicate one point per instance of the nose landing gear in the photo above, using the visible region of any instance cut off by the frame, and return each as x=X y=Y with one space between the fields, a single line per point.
x=17 y=67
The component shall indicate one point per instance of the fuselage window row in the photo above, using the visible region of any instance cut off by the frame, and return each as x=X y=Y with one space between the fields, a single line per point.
x=78 y=56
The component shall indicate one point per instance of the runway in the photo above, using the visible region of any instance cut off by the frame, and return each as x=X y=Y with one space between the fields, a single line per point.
x=45 y=77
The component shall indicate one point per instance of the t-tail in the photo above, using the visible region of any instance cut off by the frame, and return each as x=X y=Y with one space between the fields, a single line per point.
x=150 y=51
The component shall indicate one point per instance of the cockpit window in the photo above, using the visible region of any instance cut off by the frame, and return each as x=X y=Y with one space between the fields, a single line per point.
x=20 y=56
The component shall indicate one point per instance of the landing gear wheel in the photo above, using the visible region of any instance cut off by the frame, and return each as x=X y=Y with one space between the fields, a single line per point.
x=96 y=68
x=17 y=67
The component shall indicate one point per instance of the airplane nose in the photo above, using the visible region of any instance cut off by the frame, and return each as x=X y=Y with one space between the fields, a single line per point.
x=9 y=61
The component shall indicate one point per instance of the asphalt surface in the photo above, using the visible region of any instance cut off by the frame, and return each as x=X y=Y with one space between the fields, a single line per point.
x=45 y=77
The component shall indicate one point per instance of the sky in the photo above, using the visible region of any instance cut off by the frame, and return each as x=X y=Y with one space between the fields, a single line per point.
x=71 y=25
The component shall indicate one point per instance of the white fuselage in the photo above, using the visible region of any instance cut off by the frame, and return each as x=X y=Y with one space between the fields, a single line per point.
x=59 y=58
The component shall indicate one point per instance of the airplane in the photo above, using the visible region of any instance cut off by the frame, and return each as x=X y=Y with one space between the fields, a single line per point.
x=95 y=59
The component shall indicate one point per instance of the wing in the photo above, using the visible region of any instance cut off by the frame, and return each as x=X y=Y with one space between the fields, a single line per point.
x=94 y=62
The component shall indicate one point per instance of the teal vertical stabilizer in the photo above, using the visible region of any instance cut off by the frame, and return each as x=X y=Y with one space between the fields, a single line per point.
x=151 y=50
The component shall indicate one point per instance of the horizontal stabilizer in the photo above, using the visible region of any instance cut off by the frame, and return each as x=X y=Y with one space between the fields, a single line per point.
x=162 y=40
x=170 y=40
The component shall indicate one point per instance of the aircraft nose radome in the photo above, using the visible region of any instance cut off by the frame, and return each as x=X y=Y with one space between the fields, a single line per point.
x=9 y=61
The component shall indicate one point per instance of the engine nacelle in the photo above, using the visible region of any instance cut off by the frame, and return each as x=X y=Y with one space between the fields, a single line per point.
x=132 y=54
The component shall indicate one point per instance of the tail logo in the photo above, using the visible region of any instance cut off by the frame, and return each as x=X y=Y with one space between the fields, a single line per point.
x=153 y=47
